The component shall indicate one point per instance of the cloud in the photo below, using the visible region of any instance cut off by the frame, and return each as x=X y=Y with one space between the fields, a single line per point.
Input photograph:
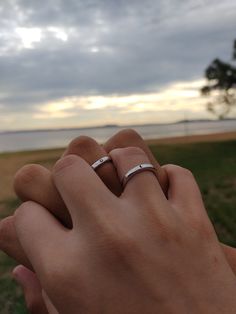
x=109 y=48
x=179 y=100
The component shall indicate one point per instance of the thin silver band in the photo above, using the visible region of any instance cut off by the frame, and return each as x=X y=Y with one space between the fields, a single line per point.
x=138 y=169
x=100 y=162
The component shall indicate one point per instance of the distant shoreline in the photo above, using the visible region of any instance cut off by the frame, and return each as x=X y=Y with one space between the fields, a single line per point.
x=118 y=126
x=38 y=140
x=213 y=137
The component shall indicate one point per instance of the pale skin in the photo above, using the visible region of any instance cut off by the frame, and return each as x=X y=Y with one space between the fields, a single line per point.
x=139 y=252
x=34 y=182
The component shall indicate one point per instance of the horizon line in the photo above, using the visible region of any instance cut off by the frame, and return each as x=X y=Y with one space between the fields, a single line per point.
x=109 y=126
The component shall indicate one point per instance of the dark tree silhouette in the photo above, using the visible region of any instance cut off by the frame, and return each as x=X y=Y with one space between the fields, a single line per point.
x=221 y=77
x=234 y=51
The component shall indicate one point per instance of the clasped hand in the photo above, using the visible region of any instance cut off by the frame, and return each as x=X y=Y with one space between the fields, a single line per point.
x=136 y=251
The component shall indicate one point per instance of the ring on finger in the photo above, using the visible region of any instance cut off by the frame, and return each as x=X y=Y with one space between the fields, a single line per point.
x=137 y=169
x=100 y=162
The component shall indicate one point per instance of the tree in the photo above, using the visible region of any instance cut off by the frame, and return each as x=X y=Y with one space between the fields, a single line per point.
x=221 y=77
x=234 y=51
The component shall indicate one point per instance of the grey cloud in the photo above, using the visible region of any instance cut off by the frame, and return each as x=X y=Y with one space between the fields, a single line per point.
x=144 y=45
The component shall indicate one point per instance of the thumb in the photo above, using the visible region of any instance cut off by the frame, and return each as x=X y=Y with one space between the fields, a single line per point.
x=31 y=288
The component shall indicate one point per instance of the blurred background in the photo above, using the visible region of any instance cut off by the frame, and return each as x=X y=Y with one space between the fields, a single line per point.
x=167 y=68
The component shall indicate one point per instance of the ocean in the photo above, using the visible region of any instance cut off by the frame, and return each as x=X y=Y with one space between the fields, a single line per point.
x=45 y=139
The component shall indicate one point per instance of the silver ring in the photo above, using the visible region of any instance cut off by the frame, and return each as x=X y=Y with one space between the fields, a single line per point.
x=138 y=169
x=100 y=162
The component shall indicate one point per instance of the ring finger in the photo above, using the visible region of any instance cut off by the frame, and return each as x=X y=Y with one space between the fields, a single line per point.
x=130 y=138
x=137 y=175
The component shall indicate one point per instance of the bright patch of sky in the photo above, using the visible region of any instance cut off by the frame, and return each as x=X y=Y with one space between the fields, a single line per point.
x=29 y=36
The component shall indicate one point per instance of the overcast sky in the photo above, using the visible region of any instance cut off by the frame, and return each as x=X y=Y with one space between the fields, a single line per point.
x=93 y=62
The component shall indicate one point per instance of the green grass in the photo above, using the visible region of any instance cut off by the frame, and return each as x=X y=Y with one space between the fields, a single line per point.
x=11 y=299
x=214 y=167
x=9 y=205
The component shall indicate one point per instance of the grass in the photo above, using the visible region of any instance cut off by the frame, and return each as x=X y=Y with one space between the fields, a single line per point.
x=11 y=299
x=214 y=167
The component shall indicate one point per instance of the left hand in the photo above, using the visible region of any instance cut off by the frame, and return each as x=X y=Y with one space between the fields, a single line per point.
x=34 y=182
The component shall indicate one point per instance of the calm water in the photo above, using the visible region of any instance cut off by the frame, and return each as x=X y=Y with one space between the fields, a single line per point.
x=53 y=139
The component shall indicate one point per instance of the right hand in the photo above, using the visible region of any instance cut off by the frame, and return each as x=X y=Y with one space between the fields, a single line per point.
x=137 y=253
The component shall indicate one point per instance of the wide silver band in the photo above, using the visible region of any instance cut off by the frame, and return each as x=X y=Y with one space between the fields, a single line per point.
x=138 y=169
x=100 y=162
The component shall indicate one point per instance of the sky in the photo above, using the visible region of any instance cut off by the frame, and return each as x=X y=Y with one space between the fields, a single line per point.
x=77 y=63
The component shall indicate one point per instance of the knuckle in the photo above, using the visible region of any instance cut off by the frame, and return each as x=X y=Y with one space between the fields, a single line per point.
x=178 y=170
x=186 y=172
x=81 y=144
x=27 y=174
x=127 y=152
x=64 y=163
x=133 y=151
x=22 y=211
x=124 y=138
x=130 y=136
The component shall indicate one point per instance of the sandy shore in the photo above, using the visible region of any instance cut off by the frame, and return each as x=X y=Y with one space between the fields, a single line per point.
x=10 y=163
